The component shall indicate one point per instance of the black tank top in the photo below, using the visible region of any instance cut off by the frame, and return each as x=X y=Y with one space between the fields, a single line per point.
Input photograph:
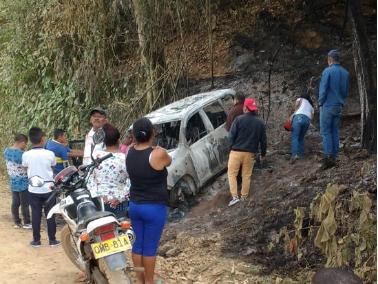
x=147 y=184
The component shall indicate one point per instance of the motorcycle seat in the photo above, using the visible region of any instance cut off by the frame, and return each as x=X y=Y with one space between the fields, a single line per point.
x=83 y=222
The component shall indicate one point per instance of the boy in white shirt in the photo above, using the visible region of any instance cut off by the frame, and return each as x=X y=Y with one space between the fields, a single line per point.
x=39 y=161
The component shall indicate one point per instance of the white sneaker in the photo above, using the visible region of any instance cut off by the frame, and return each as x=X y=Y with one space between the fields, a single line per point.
x=27 y=226
x=233 y=201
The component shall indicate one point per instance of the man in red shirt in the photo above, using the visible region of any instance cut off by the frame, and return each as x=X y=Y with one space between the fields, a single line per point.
x=236 y=110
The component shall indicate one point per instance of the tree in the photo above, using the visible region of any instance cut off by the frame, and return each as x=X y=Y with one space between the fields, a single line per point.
x=147 y=15
x=364 y=74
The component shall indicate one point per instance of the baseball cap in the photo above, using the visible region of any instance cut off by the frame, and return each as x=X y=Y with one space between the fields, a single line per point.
x=334 y=54
x=250 y=104
x=100 y=110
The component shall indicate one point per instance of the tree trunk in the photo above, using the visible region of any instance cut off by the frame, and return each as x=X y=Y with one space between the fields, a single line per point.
x=210 y=35
x=364 y=73
x=151 y=50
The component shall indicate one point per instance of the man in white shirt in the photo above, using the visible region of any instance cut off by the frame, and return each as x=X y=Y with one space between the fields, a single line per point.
x=98 y=119
x=40 y=162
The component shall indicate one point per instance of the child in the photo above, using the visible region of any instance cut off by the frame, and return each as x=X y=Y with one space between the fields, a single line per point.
x=18 y=181
x=127 y=142
x=40 y=162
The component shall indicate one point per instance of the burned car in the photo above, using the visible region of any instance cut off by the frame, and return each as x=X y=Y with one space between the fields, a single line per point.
x=192 y=130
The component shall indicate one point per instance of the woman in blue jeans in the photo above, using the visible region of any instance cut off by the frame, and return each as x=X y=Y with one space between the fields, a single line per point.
x=304 y=112
x=146 y=166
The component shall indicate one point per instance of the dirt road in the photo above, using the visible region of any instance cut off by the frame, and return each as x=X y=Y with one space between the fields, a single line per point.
x=21 y=263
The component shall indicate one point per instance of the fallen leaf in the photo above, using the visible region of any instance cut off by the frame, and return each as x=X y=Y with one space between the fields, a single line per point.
x=292 y=245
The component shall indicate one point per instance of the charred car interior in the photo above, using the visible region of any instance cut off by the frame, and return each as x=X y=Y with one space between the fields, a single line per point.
x=192 y=131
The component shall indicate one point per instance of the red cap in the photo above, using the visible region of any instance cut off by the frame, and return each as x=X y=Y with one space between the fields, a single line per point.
x=250 y=104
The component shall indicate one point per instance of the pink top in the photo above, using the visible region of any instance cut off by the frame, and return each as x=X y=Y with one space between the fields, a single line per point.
x=123 y=148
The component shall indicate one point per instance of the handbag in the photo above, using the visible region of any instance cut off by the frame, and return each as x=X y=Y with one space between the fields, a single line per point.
x=288 y=125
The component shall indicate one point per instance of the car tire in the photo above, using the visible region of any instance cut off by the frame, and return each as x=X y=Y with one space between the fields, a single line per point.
x=184 y=187
x=176 y=194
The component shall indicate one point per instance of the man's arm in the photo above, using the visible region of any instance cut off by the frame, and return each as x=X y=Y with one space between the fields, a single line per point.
x=75 y=153
x=323 y=88
x=230 y=119
x=53 y=160
x=24 y=162
x=232 y=133
x=346 y=86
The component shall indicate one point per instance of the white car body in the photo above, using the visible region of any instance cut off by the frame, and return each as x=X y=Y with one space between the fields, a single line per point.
x=193 y=132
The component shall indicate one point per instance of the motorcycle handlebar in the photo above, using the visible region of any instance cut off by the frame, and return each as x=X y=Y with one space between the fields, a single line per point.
x=53 y=195
x=96 y=162
x=99 y=160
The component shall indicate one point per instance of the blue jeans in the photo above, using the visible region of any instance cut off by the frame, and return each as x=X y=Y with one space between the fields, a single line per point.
x=300 y=125
x=329 y=123
x=148 y=222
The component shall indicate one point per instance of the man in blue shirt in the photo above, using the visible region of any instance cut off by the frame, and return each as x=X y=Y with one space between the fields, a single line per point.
x=18 y=181
x=333 y=90
x=57 y=145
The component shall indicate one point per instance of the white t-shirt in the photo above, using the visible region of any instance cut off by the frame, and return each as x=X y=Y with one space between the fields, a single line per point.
x=39 y=162
x=88 y=145
x=305 y=108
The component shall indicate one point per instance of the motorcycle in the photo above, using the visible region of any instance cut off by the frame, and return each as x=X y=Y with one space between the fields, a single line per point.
x=93 y=239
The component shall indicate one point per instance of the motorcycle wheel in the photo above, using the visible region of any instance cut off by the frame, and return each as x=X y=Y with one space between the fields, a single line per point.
x=113 y=277
x=69 y=247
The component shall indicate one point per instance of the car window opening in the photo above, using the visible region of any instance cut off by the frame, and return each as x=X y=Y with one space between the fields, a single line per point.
x=167 y=135
x=216 y=114
x=195 y=129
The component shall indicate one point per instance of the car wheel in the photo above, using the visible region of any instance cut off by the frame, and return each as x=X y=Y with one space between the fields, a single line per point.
x=176 y=194
x=181 y=192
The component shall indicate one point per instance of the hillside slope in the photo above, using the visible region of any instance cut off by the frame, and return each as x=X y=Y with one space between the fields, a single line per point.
x=220 y=244
x=272 y=62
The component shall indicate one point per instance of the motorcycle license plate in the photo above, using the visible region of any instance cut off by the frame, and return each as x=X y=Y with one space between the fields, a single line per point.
x=111 y=246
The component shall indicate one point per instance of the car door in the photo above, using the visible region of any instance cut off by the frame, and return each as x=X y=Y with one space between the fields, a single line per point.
x=200 y=147
x=217 y=117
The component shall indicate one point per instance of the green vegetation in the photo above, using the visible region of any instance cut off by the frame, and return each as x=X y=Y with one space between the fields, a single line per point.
x=60 y=59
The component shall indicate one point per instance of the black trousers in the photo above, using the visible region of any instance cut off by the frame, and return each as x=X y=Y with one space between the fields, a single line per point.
x=20 y=198
x=37 y=204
